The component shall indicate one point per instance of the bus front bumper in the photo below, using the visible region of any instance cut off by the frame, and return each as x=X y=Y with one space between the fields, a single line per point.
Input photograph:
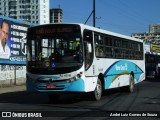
x=75 y=86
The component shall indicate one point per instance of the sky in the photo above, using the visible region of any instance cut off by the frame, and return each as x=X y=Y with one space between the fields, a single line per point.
x=120 y=16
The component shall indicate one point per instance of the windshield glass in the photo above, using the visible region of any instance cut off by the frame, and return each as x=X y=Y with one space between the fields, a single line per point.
x=60 y=46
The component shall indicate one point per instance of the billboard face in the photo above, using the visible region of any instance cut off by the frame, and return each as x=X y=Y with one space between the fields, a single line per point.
x=12 y=42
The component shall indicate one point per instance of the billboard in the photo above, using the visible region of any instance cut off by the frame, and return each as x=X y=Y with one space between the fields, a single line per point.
x=12 y=41
x=155 y=48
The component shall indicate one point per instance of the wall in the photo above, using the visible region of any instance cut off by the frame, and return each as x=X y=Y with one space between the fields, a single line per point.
x=12 y=75
x=44 y=12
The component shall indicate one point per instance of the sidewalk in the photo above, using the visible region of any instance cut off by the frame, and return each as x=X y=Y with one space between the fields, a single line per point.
x=12 y=89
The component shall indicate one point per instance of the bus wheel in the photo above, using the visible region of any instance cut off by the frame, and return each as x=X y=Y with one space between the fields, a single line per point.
x=97 y=94
x=131 y=84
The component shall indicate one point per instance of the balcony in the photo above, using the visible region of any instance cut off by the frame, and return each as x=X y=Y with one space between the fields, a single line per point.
x=12 y=10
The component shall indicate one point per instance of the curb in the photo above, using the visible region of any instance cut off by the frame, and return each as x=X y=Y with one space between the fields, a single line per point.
x=12 y=89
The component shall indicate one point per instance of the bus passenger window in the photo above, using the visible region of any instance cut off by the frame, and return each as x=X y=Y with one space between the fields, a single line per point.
x=99 y=51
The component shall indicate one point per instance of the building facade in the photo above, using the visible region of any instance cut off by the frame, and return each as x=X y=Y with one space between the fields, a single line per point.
x=153 y=36
x=154 y=28
x=151 y=39
x=34 y=11
x=148 y=37
x=56 y=15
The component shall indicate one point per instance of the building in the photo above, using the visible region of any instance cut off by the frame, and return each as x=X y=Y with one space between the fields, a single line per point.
x=148 y=37
x=154 y=28
x=153 y=36
x=56 y=15
x=151 y=39
x=34 y=11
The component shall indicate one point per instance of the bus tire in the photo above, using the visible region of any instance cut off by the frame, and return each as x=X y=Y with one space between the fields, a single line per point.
x=131 y=84
x=97 y=94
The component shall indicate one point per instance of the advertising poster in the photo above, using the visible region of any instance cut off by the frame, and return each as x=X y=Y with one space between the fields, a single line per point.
x=12 y=42
x=155 y=48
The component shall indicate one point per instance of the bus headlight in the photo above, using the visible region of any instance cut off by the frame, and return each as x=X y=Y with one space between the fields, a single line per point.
x=78 y=76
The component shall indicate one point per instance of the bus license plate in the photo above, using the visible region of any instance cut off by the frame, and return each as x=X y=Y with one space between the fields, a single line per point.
x=50 y=86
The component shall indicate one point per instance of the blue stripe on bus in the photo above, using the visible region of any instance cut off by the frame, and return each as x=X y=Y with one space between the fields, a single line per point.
x=120 y=68
x=76 y=86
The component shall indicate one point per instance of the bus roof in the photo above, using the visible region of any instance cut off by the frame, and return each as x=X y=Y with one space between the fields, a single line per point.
x=84 y=26
x=109 y=32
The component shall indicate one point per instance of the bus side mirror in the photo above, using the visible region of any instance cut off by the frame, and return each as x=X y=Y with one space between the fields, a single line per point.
x=89 y=47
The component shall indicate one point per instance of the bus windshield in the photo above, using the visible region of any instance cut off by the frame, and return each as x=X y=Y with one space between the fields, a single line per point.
x=55 y=47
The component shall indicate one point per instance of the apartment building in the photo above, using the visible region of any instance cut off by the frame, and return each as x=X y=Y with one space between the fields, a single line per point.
x=154 y=28
x=153 y=36
x=56 y=15
x=148 y=37
x=34 y=11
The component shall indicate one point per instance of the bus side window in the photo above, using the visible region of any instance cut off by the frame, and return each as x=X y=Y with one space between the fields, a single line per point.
x=88 y=48
x=99 y=45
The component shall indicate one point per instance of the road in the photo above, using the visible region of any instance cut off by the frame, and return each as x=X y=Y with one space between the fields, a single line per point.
x=115 y=104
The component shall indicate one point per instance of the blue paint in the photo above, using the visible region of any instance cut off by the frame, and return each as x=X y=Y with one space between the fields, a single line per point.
x=121 y=67
x=108 y=81
x=19 y=57
x=76 y=86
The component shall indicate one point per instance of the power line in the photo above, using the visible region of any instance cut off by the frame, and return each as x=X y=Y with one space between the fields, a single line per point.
x=136 y=12
x=122 y=12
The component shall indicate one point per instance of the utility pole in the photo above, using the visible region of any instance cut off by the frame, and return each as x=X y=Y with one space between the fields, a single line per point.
x=94 y=14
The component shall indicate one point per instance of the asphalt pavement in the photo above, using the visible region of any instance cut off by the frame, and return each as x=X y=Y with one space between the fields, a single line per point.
x=16 y=88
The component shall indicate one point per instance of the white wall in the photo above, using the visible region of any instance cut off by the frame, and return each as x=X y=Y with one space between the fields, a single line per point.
x=44 y=11
x=12 y=75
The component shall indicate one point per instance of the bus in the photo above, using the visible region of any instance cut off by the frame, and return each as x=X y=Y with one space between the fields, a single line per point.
x=152 y=62
x=77 y=58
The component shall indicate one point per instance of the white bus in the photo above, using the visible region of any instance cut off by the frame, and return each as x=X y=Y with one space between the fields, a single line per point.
x=80 y=58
